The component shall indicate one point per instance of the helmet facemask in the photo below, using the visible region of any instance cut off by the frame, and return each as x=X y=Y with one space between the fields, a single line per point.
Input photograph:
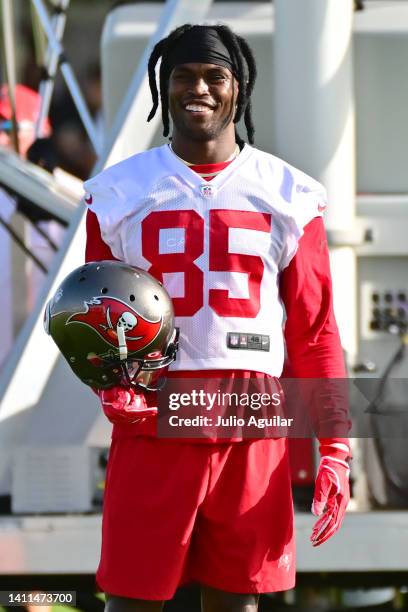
x=148 y=374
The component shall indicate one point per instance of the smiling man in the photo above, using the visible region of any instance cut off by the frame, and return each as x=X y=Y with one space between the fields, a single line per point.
x=234 y=233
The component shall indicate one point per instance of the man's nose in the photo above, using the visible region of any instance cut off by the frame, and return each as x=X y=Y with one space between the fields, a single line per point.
x=200 y=86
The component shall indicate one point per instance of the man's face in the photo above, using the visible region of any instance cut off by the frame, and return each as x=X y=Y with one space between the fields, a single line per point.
x=202 y=99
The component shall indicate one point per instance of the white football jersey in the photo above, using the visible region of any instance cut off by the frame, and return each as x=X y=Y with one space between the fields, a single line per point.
x=217 y=246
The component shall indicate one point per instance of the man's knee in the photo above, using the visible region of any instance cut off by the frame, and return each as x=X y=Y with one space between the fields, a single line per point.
x=127 y=604
x=214 y=600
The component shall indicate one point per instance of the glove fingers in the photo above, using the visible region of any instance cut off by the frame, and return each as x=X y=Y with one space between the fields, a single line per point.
x=115 y=416
x=324 y=536
x=116 y=397
x=322 y=493
x=139 y=407
x=318 y=507
x=331 y=509
x=325 y=527
x=122 y=405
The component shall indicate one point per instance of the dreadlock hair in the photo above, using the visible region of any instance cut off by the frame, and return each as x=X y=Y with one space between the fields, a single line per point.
x=242 y=58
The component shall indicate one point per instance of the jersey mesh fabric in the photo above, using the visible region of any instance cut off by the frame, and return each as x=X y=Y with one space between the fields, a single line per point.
x=219 y=252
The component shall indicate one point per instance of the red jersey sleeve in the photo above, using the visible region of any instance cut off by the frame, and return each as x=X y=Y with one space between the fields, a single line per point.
x=312 y=337
x=311 y=332
x=96 y=249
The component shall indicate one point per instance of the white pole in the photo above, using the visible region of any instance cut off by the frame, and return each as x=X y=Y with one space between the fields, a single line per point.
x=51 y=62
x=314 y=124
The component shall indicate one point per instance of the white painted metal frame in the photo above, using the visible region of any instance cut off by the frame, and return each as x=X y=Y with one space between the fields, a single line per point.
x=37 y=185
x=67 y=72
x=51 y=61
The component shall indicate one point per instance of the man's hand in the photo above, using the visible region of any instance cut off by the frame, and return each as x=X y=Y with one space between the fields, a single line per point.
x=331 y=497
x=122 y=405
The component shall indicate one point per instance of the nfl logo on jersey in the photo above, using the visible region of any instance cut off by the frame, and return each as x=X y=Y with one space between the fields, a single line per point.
x=207 y=191
x=234 y=340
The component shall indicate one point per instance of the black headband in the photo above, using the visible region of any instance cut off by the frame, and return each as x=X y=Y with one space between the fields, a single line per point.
x=200 y=44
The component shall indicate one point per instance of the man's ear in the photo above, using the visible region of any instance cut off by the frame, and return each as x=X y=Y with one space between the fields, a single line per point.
x=236 y=90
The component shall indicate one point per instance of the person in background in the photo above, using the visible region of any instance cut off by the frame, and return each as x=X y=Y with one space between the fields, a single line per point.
x=75 y=152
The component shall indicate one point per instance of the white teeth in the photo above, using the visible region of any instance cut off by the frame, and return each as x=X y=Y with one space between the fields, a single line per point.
x=196 y=108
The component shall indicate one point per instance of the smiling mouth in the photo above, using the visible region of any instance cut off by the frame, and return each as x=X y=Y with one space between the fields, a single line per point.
x=200 y=109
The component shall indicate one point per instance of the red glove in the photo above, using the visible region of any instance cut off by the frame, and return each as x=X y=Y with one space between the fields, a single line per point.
x=122 y=405
x=332 y=491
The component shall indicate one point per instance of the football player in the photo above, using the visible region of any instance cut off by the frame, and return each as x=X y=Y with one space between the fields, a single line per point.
x=235 y=234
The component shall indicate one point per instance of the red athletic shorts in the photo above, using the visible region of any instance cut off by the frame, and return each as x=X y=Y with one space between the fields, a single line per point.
x=216 y=514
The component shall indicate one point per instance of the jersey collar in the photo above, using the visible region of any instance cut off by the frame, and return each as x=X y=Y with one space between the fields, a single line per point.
x=194 y=180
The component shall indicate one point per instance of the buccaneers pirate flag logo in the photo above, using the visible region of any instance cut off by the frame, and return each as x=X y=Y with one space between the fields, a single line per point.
x=105 y=314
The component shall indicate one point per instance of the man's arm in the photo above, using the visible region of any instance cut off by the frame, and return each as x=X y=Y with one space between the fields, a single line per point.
x=314 y=352
x=311 y=332
x=96 y=249
x=120 y=405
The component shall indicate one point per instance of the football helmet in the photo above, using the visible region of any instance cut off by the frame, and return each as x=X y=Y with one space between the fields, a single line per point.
x=114 y=324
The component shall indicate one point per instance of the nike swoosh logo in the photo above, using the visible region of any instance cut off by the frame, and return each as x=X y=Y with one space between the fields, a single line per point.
x=88 y=199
